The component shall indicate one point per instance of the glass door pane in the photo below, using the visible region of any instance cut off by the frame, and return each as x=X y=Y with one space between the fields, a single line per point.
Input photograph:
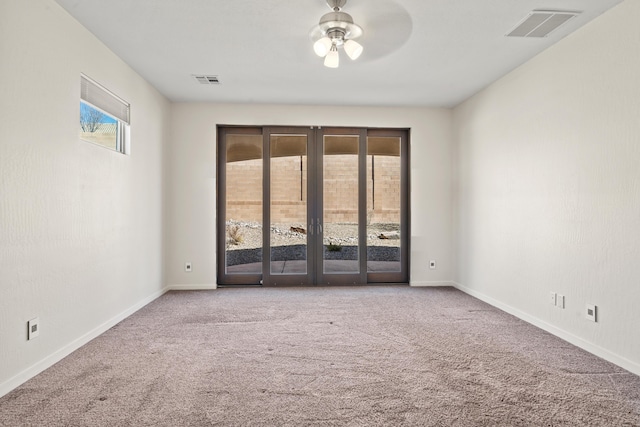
x=243 y=210
x=384 y=197
x=340 y=172
x=288 y=210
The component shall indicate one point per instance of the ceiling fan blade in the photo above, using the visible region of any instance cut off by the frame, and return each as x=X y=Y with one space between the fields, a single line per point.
x=386 y=24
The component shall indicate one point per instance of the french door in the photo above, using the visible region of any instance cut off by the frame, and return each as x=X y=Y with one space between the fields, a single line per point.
x=312 y=206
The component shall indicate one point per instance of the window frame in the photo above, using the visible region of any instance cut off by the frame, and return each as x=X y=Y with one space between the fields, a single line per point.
x=98 y=97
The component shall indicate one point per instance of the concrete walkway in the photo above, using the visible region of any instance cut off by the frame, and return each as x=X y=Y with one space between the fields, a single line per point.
x=299 y=267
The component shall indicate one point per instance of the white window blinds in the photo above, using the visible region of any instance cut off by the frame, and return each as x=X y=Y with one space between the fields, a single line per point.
x=103 y=99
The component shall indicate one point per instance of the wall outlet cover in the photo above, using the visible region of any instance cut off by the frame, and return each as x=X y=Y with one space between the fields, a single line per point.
x=552 y=298
x=591 y=312
x=33 y=326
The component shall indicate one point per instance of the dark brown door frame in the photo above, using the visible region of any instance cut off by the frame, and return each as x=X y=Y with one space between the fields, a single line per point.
x=343 y=278
x=222 y=277
x=315 y=274
x=269 y=279
x=405 y=207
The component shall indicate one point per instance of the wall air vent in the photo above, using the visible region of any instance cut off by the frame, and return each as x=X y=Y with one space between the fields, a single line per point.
x=206 y=80
x=539 y=23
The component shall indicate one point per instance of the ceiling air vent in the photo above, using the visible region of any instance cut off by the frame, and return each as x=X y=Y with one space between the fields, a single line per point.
x=206 y=80
x=539 y=23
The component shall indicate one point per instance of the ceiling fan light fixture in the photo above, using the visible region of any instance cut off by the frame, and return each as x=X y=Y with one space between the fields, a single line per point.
x=353 y=49
x=322 y=46
x=336 y=29
x=332 y=60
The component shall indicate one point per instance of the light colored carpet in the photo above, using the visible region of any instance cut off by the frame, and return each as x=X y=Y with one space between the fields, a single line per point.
x=326 y=356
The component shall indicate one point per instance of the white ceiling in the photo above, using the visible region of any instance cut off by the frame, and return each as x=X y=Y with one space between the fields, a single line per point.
x=417 y=52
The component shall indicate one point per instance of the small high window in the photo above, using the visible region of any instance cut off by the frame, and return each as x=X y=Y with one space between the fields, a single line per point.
x=104 y=117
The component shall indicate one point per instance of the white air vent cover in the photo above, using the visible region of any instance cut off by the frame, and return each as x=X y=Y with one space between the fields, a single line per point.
x=540 y=23
x=206 y=80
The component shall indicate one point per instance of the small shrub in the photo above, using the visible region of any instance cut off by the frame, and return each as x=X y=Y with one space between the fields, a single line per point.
x=235 y=235
x=333 y=247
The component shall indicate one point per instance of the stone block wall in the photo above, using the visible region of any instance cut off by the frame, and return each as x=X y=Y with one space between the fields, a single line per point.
x=289 y=190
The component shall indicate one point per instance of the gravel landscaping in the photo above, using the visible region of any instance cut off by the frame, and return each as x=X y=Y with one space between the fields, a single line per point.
x=288 y=241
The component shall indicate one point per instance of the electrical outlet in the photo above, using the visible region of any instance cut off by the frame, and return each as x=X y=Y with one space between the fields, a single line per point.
x=591 y=312
x=33 y=328
x=432 y=264
x=560 y=301
x=187 y=267
x=552 y=299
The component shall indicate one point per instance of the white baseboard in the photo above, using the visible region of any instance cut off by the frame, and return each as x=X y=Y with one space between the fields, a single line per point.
x=430 y=284
x=567 y=336
x=54 y=358
x=204 y=287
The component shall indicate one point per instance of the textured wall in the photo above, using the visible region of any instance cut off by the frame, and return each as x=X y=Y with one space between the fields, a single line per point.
x=191 y=180
x=548 y=187
x=80 y=225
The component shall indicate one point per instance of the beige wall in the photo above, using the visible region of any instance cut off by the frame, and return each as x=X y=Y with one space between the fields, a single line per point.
x=191 y=180
x=547 y=190
x=80 y=226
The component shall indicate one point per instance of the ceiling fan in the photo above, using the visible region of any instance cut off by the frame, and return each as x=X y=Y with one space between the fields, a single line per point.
x=336 y=29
